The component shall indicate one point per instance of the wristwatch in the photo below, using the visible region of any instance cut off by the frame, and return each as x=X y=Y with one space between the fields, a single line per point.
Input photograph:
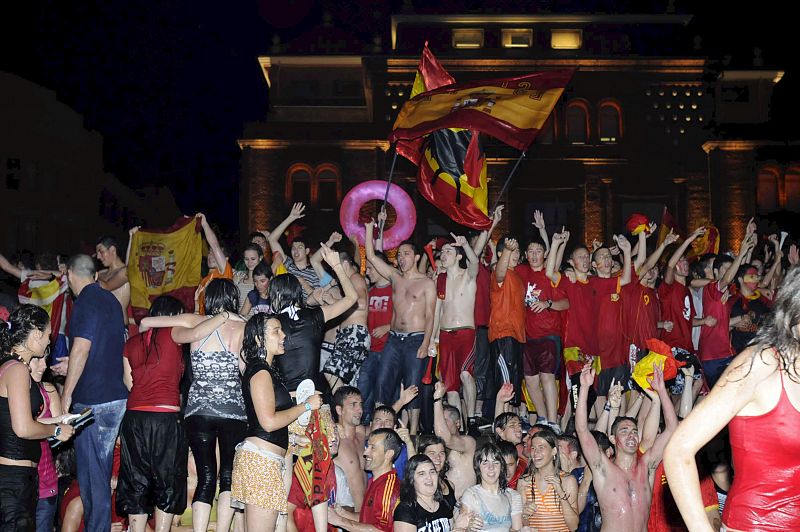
x=307 y=405
x=57 y=432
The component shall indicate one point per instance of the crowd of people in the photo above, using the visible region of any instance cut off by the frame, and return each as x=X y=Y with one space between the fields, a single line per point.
x=471 y=384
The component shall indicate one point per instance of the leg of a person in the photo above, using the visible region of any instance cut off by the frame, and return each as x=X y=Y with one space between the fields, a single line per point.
x=46 y=513
x=530 y=372
x=481 y=371
x=203 y=442
x=550 y=395
x=413 y=369
x=133 y=483
x=366 y=383
x=168 y=454
x=73 y=516
x=18 y=496
x=467 y=370
x=96 y=456
x=389 y=371
x=163 y=521
x=137 y=522
x=230 y=433
x=257 y=519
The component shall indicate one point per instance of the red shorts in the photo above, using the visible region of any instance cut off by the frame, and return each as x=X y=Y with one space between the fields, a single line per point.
x=540 y=356
x=456 y=354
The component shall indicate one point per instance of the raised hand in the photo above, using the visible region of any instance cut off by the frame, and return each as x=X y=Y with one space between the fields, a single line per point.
x=133 y=230
x=408 y=394
x=657 y=380
x=671 y=238
x=497 y=215
x=382 y=215
x=596 y=244
x=315 y=401
x=297 y=211
x=505 y=393
x=335 y=237
x=751 y=227
x=329 y=255
x=459 y=241
x=697 y=233
x=538 y=220
x=439 y=389
x=511 y=244
x=615 y=394
x=587 y=376
x=623 y=243
x=794 y=255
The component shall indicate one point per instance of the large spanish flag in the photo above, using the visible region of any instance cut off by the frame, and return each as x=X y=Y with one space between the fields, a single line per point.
x=512 y=110
x=165 y=262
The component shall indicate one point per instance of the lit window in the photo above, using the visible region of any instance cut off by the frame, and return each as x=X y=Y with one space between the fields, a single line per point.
x=517 y=38
x=767 y=191
x=609 y=122
x=468 y=38
x=566 y=39
x=319 y=188
x=577 y=119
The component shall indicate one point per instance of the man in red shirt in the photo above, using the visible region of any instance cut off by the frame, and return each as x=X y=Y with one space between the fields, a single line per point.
x=383 y=489
x=379 y=322
x=585 y=295
x=715 y=350
x=542 y=350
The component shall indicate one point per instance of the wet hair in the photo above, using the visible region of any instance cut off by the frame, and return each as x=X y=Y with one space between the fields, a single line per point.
x=221 y=294
x=285 y=291
x=385 y=409
x=391 y=441
x=262 y=269
x=742 y=271
x=82 y=266
x=501 y=245
x=461 y=256
x=603 y=441
x=572 y=443
x=107 y=242
x=697 y=270
x=452 y=412
x=346 y=257
x=165 y=306
x=342 y=393
x=619 y=420
x=428 y=440
x=413 y=245
x=502 y=420
x=508 y=449
x=778 y=328
x=254 y=341
x=254 y=247
x=300 y=240
x=408 y=494
x=721 y=260
x=22 y=321
x=552 y=440
x=490 y=451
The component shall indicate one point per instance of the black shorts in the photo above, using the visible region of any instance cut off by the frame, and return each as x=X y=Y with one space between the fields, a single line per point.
x=153 y=457
x=19 y=493
x=620 y=374
x=483 y=371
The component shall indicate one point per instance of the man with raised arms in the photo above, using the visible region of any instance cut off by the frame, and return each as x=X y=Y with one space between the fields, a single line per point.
x=447 y=425
x=454 y=323
x=414 y=299
x=624 y=486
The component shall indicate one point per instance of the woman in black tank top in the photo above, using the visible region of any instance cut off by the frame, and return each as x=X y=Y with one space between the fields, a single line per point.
x=23 y=337
x=259 y=464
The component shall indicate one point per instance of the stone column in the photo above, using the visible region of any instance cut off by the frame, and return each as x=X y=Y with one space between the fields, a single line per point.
x=732 y=172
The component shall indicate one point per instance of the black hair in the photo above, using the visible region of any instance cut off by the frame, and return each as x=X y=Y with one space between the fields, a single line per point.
x=572 y=442
x=46 y=261
x=391 y=441
x=535 y=240
x=721 y=260
x=256 y=234
x=252 y=246
x=284 y=291
x=603 y=441
x=299 y=239
x=27 y=258
x=501 y=245
x=22 y=321
x=342 y=393
x=619 y=420
x=413 y=245
x=742 y=271
x=165 y=306
x=697 y=270
x=508 y=449
x=388 y=410
x=408 y=494
x=262 y=269
x=108 y=241
x=221 y=294
x=778 y=328
x=502 y=420
x=346 y=257
x=428 y=440
x=489 y=451
x=460 y=254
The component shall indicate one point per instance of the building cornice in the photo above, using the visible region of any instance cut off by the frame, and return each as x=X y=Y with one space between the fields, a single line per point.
x=642 y=64
x=277 y=144
x=743 y=145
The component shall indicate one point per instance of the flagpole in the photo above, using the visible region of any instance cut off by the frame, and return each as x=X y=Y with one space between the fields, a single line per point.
x=388 y=185
x=508 y=180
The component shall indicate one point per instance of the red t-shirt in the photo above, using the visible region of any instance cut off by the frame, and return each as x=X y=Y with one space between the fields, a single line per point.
x=482 y=303
x=611 y=346
x=677 y=306
x=715 y=342
x=581 y=330
x=640 y=311
x=379 y=313
x=664 y=513
x=156 y=367
x=538 y=287
x=380 y=500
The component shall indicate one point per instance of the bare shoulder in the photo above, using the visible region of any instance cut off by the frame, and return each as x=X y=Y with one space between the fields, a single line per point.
x=751 y=366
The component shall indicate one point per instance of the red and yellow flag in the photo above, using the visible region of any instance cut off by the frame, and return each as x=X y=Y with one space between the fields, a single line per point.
x=165 y=262
x=707 y=243
x=668 y=223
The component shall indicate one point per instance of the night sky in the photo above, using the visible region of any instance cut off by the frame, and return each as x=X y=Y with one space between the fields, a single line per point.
x=169 y=84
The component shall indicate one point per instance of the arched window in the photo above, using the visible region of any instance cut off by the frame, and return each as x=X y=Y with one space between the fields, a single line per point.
x=767 y=190
x=792 y=189
x=319 y=187
x=577 y=119
x=609 y=122
x=547 y=134
x=298 y=184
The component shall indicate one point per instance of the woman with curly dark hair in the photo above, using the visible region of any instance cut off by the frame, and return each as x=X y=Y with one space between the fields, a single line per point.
x=25 y=336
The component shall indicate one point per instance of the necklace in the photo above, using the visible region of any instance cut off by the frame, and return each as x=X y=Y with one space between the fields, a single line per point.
x=431 y=508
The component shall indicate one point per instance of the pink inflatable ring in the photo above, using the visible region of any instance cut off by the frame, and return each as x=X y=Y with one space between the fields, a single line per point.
x=376 y=190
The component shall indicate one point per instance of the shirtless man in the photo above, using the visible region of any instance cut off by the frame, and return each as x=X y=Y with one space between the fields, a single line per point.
x=114 y=277
x=352 y=435
x=447 y=425
x=414 y=298
x=624 y=486
x=352 y=342
x=454 y=322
